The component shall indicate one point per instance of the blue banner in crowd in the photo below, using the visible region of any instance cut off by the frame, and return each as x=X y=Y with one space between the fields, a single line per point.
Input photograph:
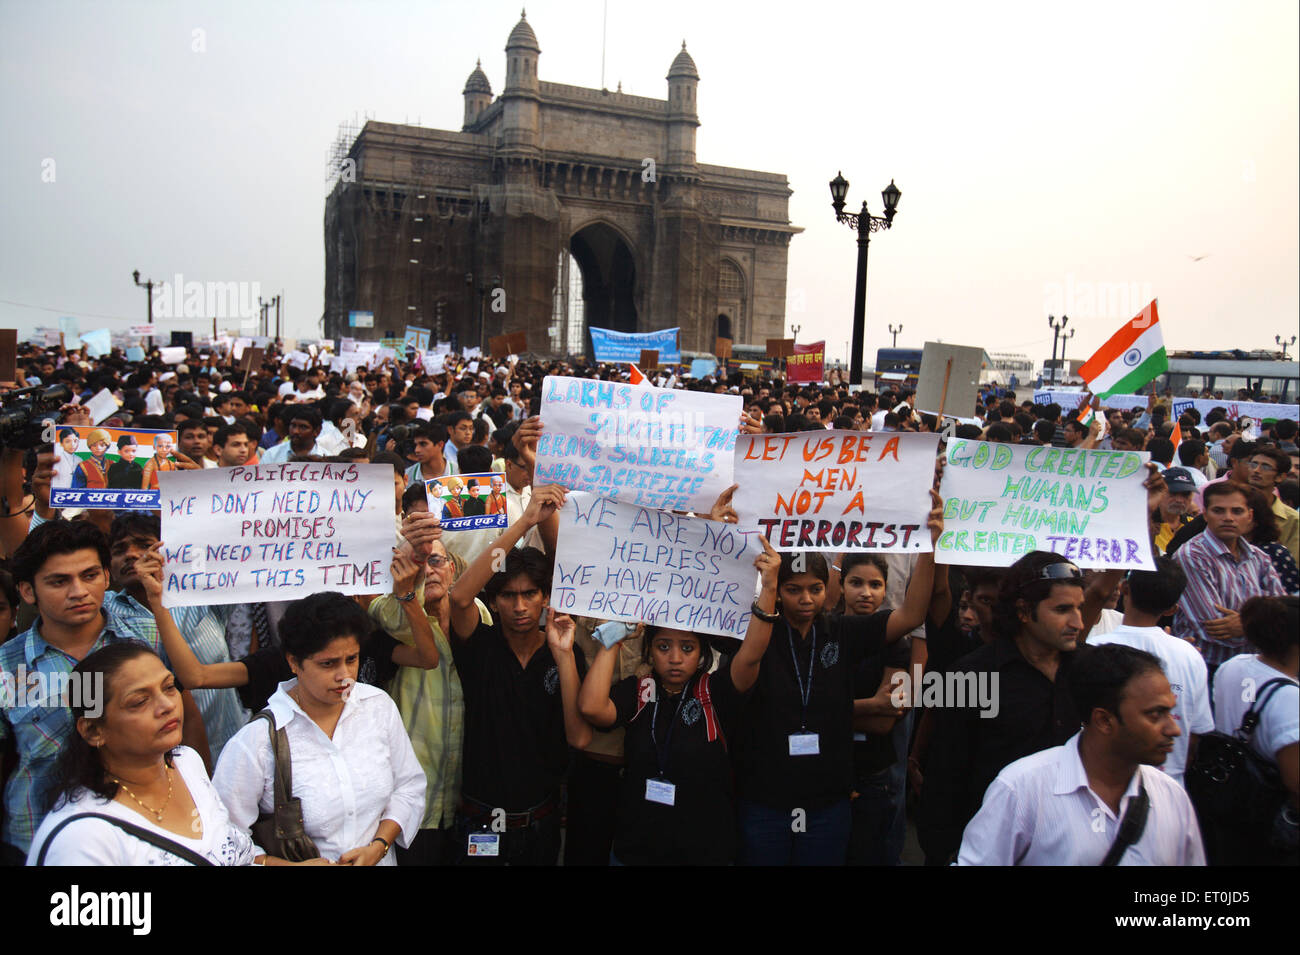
x=627 y=346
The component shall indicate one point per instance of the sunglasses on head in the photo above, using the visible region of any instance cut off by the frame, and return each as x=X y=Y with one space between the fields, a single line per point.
x=1062 y=570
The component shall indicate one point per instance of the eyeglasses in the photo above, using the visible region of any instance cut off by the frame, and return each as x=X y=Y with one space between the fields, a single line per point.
x=437 y=560
x=1062 y=570
x=1261 y=466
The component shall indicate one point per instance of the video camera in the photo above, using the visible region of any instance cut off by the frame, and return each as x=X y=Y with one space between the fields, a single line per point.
x=23 y=415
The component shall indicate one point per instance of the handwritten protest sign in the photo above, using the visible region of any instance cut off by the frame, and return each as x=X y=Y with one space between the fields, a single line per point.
x=837 y=490
x=467 y=502
x=101 y=468
x=276 y=532
x=649 y=446
x=1002 y=501
x=623 y=562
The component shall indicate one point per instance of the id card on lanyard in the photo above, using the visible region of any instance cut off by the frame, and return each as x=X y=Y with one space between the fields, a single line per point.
x=660 y=790
x=803 y=743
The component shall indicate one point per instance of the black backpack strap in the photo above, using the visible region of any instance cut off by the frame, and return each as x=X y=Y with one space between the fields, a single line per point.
x=1250 y=721
x=1132 y=825
x=167 y=845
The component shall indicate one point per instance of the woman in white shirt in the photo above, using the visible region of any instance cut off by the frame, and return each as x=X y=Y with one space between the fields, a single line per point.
x=354 y=771
x=152 y=801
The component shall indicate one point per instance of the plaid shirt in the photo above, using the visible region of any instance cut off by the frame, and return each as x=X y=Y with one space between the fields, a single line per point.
x=39 y=732
x=1214 y=576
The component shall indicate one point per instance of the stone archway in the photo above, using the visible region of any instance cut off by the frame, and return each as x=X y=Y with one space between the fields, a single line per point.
x=606 y=267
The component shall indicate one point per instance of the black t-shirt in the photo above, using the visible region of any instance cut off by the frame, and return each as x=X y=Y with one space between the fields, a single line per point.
x=516 y=752
x=766 y=772
x=874 y=752
x=699 y=828
x=267 y=669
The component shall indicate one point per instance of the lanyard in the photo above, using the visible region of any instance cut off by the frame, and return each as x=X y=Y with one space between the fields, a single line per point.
x=805 y=689
x=661 y=755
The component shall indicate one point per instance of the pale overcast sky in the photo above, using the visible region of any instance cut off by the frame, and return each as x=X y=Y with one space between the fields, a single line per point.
x=1051 y=156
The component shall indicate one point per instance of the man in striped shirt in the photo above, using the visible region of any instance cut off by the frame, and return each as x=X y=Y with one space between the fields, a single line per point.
x=1223 y=571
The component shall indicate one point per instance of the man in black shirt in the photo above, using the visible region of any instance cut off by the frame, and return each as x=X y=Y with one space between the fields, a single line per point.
x=1038 y=622
x=521 y=697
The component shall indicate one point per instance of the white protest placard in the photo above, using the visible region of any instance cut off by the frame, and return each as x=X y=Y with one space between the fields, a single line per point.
x=275 y=532
x=623 y=562
x=144 y=331
x=1002 y=501
x=665 y=449
x=433 y=363
x=837 y=490
x=172 y=355
x=298 y=359
x=104 y=405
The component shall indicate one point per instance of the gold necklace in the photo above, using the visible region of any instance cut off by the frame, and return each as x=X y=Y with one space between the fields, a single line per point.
x=156 y=813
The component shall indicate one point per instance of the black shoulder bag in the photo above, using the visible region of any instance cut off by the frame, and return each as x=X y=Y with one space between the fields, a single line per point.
x=167 y=845
x=281 y=832
x=1234 y=789
x=1132 y=825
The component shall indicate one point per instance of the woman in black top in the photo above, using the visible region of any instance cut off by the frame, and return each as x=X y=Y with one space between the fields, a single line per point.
x=676 y=804
x=794 y=762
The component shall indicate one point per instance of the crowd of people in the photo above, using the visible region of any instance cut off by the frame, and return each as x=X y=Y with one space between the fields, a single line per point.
x=459 y=719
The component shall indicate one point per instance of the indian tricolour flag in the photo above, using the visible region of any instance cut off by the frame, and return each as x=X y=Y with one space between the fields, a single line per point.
x=1132 y=357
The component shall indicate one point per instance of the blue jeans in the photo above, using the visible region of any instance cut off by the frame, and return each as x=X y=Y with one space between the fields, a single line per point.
x=793 y=837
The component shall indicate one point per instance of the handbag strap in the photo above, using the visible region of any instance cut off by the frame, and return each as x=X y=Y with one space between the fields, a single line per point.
x=1132 y=825
x=1250 y=721
x=162 y=842
x=282 y=777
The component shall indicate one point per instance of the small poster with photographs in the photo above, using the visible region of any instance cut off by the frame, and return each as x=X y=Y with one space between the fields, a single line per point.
x=110 y=467
x=469 y=501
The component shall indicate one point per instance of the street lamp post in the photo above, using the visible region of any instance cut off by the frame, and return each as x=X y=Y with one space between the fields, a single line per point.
x=1056 y=335
x=895 y=332
x=148 y=285
x=865 y=224
x=1285 y=344
x=1065 y=338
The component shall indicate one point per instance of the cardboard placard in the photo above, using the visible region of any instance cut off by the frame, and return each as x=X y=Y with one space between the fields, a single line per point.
x=722 y=347
x=837 y=490
x=664 y=449
x=8 y=354
x=649 y=358
x=624 y=562
x=518 y=342
x=1001 y=501
x=963 y=382
x=279 y=531
x=499 y=346
x=252 y=360
x=780 y=347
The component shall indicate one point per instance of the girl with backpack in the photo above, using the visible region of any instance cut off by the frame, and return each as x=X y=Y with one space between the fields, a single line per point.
x=676 y=807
